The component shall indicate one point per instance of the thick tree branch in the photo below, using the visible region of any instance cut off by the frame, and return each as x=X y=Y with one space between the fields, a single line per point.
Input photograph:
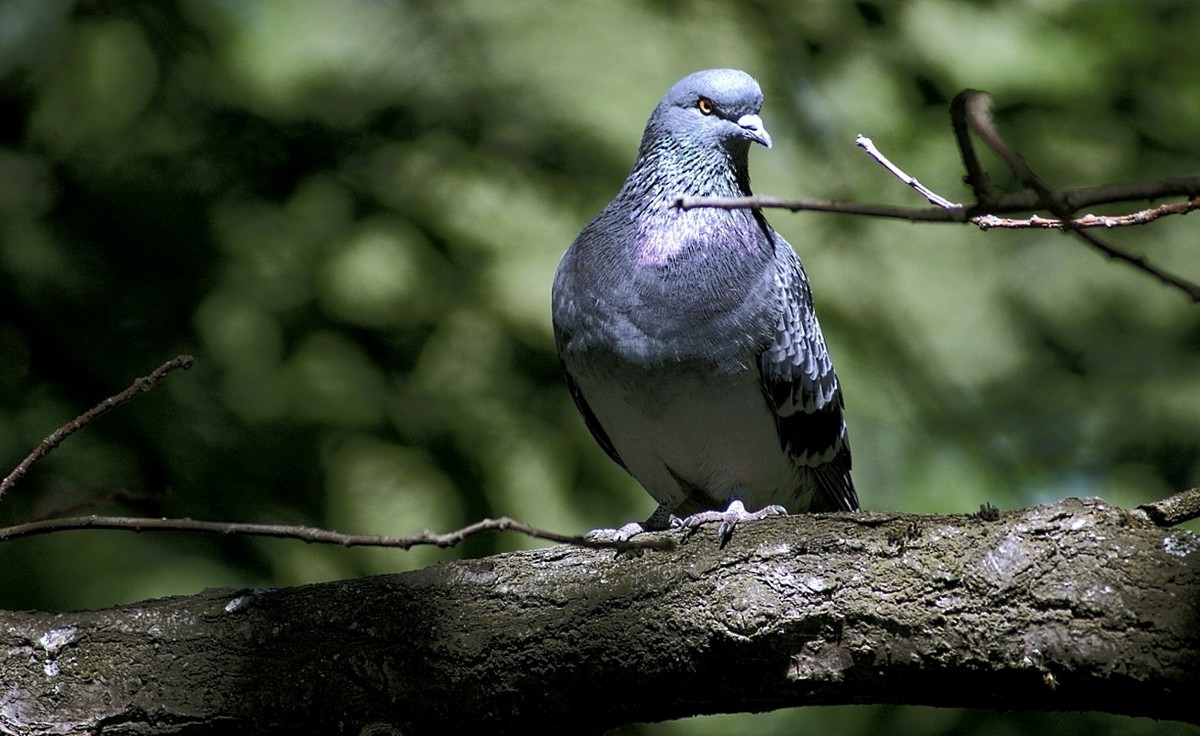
x=1174 y=510
x=1072 y=606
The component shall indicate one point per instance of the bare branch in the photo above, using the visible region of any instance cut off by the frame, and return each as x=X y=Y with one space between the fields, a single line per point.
x=812 y=609
x=314 y=535
x=1001 y=204
x=931 y=196
x=141 y=385
x=1150 y=190
x=1174 y=510
x=971 y=111
x=1142 y=264
x=800 y=204
x=976 y=177
x=937 y=214
x=977 y=107
x=303 y=533
x=1141 y=217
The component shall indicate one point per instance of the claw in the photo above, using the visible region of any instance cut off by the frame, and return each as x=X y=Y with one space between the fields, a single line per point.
x=727 y=519
x=624 y=534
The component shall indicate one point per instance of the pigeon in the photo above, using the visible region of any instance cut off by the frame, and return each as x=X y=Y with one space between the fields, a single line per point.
x=688 y=338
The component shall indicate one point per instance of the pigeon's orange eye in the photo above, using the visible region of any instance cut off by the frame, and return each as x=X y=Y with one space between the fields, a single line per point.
x=706 y=106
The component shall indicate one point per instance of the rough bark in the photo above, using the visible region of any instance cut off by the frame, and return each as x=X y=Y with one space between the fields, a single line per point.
x=1072 y=606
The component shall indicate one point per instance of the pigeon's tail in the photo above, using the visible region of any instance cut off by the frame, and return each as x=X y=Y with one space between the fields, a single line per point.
x=836 y=487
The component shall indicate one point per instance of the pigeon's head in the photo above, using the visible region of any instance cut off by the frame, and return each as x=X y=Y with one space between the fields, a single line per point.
x=716 y=107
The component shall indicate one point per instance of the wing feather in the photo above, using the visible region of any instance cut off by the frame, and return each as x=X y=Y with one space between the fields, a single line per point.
x=800 y=382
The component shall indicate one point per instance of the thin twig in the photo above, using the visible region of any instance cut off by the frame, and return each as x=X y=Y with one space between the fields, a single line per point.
x=766 y=201
x=931 y=196
x=141 y=385
x=314 y=535
x=989 y=221
x=977 y=107
x=1000 y=204
x=963 y=106
x=1142 y=264
x=1141 y=217
x=1148 y=190
x=936 y=214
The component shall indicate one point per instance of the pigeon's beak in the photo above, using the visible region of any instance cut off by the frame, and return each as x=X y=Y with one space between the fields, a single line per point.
x=753 y=125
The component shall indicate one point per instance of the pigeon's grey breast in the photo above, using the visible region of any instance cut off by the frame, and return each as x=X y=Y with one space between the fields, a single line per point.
x=660 y=323
x=685 y=286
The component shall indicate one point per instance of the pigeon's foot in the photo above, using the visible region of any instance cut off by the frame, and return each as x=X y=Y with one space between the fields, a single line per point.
x=727 y=519
x=661 y=519
x=624 y=534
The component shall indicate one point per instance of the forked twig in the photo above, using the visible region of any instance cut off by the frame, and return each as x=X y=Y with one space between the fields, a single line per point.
x=308 y=534
x=975 y=108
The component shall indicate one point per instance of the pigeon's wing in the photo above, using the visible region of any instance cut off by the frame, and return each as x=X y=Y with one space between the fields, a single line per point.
x=589 y=419
x=572 y=327
x=799 y=381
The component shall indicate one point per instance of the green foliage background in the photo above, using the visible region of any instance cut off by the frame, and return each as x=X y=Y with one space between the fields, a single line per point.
x=350 y=213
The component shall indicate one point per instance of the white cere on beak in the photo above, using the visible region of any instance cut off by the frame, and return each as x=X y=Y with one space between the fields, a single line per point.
x=753 y=125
